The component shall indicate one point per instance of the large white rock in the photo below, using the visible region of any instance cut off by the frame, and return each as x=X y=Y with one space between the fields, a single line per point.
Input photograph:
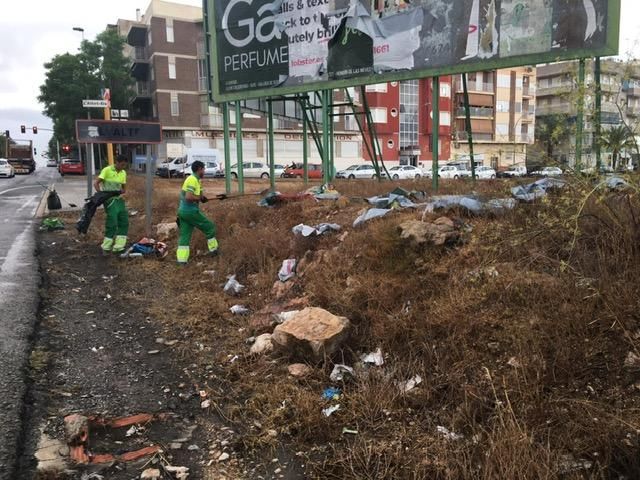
x=263 y=344
x=313 y=333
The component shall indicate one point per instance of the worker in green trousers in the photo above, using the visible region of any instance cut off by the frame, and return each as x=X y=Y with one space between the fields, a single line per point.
x=190 y=216
x=114 y=179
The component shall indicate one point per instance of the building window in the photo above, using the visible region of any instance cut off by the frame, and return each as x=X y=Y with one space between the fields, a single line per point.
x=502 y=106
x=379 y=115
x=172 y=68
x=445 y=90
x=170 y=38
x=203 y=85
x=175 y=105
x=445 y=119
x=409 y=118
x=377 y=88
x=504 y=81
x=502 y=129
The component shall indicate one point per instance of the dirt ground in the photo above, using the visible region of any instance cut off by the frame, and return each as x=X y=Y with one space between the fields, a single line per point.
x=523 y=331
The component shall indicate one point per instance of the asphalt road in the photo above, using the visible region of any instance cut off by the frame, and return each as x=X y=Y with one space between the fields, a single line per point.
x=19 y=281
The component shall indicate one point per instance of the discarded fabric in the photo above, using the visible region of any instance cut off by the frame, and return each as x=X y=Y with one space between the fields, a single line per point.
x=233 y=287
x=288 y=270
x=307 y=231
x=52 y=224
x=391 y=201
x=327 y=412
x=536 y=190
x=470 y=203
x=370 y=215
x=374 y=358
x=616 y=183
x=339 y=371
x=90 y=207
x=146 y=247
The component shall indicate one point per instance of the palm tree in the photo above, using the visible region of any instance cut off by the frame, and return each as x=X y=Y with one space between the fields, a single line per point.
x=615 y=140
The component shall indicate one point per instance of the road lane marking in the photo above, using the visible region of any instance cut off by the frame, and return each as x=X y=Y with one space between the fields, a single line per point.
x=19 y=188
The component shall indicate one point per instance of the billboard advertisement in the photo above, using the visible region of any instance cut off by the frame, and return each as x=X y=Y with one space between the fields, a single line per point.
x=261 y=48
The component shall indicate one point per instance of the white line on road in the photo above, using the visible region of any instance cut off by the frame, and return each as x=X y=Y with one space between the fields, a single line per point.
x=18 y=188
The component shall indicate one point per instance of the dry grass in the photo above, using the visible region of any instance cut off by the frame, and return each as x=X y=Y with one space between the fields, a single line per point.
x=527 y=366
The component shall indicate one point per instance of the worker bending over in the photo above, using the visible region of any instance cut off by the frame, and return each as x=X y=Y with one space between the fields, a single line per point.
x=190 y=217
x=114 y=179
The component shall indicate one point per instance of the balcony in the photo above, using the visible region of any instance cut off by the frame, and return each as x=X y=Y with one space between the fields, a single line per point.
x=211 y=121
x=140 y=63
x=632 y=90
x=141 y=95
x=528 y=91
x=478 y=87
x=526 y=138
x=481 y=112
x=554 y=90
x=137 y=36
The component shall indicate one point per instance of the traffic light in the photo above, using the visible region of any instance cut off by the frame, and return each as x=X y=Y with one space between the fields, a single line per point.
x=66 y=148
x=23 y=129
x=35 y=130
x=7 y=134
x=35 y=152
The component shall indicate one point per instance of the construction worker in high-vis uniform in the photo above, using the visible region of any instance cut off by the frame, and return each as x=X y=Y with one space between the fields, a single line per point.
x=190 y=216
x=114 y=179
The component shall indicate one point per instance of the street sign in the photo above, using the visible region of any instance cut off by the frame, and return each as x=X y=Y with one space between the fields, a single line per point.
x=124 y=113
x=95 y=103
x=111 y=131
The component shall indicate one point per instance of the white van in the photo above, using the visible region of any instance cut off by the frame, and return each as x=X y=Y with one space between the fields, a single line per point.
x=181 y=166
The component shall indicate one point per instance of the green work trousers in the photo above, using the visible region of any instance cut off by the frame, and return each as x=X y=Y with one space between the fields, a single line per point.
x=189 y=221
x=117 y=221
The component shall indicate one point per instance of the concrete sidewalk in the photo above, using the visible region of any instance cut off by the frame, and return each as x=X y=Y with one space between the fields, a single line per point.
x=71 y=190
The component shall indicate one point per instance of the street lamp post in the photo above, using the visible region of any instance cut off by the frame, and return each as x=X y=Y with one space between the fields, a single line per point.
x=79 y=29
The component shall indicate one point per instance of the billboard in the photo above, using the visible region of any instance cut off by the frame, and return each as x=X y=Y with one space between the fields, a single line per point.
x=261 y=48
x=111 y=131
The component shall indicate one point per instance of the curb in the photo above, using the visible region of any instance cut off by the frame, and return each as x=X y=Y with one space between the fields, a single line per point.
x=42 y=206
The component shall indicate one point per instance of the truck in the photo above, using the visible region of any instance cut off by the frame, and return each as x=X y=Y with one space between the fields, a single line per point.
x=20 y=155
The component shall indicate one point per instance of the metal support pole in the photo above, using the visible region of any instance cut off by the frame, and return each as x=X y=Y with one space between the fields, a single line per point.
x=57 y=151
x=271 y=148
x=148 y=192
x=467 y=114
x=435 y=136
x=332 y=169
x=597 y=143
x=305 y=151
x=325 y=136
x=89 y=164
x=227 y=148
x=239 y=149
x=580 y=116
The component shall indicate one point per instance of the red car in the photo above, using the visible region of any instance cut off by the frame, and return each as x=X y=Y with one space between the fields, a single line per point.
x=71 y=165
x=314 y=171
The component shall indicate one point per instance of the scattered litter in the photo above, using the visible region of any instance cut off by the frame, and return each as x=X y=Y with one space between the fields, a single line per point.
x=239 y=310
x=153 y=352
x=284 y=316
x=181 y=473
x=299 y=370
x=324 y=192
x=211 y=273
x=536 y=190
x=307 y=231
x=234 y=359
x=348 y=431
x=288 y=270
x=263 y=344
x=568 y=464
x=514 y=362
x=331 y=393
x=171 y=343
x=133 y=213
x=205 y=404
x=448 y=434
x=410 y=384
x=132 y=431
x=150 y=474
x=91 y=476
x=90 y=312
x=233 y=287
x=616 y=183
x=193 y=448
x=370 y=215
x=632 y=361
x=339 y=371
x=391 y=201
x=471 y=203
x=146 y=247
x=223 y=457
x=51 y=224
x=327 y=412
x=375 y=358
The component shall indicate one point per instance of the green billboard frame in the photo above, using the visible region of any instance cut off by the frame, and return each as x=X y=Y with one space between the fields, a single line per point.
x=610 y=48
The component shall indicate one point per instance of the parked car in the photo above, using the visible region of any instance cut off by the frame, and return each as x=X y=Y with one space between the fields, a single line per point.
x=6 y=170
x=404 y=172
x=71 y=165
x=52 y=163
x=514 y=171
x=453 y=172
x=485 y=173
x=313 y=171
x=548 y=172
x=255 y=170
x=357 y=171
x=181 y=166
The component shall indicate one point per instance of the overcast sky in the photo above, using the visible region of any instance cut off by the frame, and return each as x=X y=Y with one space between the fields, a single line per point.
x=33 y=31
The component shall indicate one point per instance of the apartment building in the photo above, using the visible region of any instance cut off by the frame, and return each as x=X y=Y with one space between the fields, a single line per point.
x=557 y=94
x=402 y=113
x=166 y=45
x=503 y=104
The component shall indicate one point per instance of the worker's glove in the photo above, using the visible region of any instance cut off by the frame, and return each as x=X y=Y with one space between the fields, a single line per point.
x=203 y=199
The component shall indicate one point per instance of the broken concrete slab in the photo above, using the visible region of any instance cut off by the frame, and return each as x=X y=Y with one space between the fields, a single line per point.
x=313 y=333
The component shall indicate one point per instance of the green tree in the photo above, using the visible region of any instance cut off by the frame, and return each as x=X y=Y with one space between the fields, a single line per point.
x=551 y=131
x=70 y=78
x=616 y=140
